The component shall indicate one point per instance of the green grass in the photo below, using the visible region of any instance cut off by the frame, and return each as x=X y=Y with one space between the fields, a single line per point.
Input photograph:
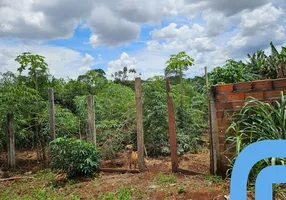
x=165 y=179
x=181 y=189
x=124 y=193
x=214 y=179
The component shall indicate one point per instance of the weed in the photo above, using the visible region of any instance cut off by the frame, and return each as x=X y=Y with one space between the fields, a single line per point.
x=45 y=175
x=181 y=189
x=123 y=194
x=74 y=197
x=165 y=179
x=214 y=179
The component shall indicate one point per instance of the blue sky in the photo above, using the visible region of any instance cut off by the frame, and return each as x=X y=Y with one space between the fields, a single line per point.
x=139 y=34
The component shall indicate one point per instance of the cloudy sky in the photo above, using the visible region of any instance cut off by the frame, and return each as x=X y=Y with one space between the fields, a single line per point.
x=76 y=36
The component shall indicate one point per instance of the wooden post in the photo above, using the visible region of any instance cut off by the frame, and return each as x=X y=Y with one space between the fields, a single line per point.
x=52 y=114
x=139 y=120
x=212 y=170
x=52 y=122
x=11 y=142
x=172 y=130
x=91 y=119
x=214 y=132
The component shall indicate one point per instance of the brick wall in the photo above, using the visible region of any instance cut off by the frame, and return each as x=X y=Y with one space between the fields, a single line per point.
x=229 y=98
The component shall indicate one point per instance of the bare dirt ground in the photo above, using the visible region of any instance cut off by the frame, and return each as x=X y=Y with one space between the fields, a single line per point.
x=148 y=185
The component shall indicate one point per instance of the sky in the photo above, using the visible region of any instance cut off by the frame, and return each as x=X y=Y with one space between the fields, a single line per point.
x=76 y=36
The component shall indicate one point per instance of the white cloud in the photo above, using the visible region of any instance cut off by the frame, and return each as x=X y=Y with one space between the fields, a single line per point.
x=170 y=31
x=210 y=31
x=112 y=22
x=260 y=19
x=257 y=29
x=42 y=20
x=62 y=62
x=225 y=6
x=124 y=61
x=184 y=38
x=216 y=22
x=111 y=30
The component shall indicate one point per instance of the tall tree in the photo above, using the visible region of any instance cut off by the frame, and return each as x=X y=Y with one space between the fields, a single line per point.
x=176 y=65
x=122 y=75
x=37 y=68
x=38 y=78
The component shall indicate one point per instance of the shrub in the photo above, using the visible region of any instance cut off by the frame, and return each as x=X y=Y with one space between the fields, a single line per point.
x=74 y=157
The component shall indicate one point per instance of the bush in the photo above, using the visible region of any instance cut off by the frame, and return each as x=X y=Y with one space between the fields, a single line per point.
x=74 y=157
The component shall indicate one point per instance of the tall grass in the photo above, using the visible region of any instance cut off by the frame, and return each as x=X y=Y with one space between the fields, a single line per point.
x=257 y=121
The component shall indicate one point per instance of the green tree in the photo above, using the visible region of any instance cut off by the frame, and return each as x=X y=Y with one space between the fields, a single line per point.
x=155 y=114
x=231 y=72
x=177 y=64
x=122 y=75
x=24 y=103
x=38 y=72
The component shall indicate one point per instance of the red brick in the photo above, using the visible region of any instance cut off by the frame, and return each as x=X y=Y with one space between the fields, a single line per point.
x=222 y=132
x=224 y=88
x=221 y=147
x=226 y=154
x=257 y=95
x=224 y=114
x=221 y=139
x=223 y=162
x=274 y=94
x=223 y=123
x=242 y=86
x=220 y=114
x=238 y=105
x=229 y=114
x=235 y=96
x=229 y=149
x=220 y=97
x=262 y=85
x=230 y=132
x=279 y=83
x=223 y=106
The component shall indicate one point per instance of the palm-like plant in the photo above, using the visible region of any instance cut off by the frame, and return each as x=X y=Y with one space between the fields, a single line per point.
x=256 y=62
x=273 y=66
x=277 y=62
x=176 y=65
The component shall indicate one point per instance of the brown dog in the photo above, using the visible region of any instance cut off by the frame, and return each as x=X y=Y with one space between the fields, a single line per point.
x=132 y=157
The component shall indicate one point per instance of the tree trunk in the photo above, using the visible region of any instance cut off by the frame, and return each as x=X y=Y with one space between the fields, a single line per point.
x=182 y=103
x=182 y=88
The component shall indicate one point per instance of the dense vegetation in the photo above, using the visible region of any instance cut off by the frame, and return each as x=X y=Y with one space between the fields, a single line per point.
x=25 y=95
